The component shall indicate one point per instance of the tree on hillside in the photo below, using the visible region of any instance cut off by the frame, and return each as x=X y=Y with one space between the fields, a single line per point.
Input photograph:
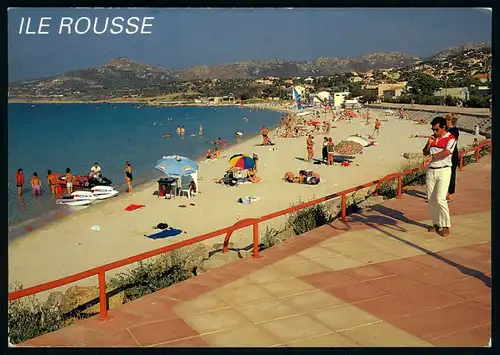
x=423 y=85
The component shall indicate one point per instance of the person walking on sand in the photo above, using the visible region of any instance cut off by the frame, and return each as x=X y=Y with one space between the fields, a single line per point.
x=128 y=176
x=324 y=151
x=330 y=149
x=70 y=179
x=19 y=182
x=376 y=128
x=35 y=185
x=438 y=151
x=52 y=181
x=451 y=122
x=310 y=147
x=265 y=139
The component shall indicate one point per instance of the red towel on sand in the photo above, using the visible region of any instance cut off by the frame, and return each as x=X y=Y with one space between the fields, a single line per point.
x=133 y=207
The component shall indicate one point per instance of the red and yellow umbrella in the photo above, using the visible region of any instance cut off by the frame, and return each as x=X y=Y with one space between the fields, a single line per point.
x=242 y=161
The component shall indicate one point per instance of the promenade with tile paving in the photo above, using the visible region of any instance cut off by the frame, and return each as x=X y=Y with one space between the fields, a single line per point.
x=379 y=279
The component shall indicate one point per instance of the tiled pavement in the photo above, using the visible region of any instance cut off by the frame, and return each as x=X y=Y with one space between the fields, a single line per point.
x=378 y=280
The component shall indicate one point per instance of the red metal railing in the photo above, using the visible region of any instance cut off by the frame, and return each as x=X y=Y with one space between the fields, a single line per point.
x=476 y=151
x=228 y=231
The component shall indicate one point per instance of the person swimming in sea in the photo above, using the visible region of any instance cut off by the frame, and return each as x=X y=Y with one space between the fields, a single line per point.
x=178 y=130
x=219 y=141
x=183 y=131
x=166 y=135
x=245 y=119
x=200 y=131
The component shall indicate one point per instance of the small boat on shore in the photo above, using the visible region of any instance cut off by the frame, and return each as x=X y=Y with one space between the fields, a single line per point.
x=103 y=192
x=83 y=181
x=77 y=198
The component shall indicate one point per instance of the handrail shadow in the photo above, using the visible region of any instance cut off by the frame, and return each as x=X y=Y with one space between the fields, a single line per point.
x=464 y=269
x=416 y=193
x=390 y=212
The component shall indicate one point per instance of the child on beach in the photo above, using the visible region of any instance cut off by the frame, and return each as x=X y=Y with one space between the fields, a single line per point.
x=376 y=129
x=216 y=154
x=35 y=185
x=330 y=151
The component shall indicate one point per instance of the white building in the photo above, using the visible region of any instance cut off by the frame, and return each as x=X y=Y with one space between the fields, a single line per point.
x=339 y=98
x=322 y=97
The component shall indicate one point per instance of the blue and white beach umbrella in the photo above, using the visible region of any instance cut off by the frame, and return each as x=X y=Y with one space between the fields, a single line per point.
x=175 y=165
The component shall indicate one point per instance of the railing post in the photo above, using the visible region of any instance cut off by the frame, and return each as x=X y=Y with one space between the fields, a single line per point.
x=256 y=240
x=103 y=302
x=400 y=185
x=476 y=153
x=461 y=164
x=344 y=216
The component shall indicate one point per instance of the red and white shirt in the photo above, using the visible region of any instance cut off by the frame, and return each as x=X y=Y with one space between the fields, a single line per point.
x=446 y=142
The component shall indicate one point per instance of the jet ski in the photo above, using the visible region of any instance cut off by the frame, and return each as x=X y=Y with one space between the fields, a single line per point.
x=103 y=192
x=77 y=198
x=83 y=181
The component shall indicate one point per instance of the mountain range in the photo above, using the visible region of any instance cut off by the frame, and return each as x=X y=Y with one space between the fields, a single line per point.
x=125 y=75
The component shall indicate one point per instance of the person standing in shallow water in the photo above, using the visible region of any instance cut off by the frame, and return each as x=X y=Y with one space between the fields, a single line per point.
x=128 y=176
x=70 y=179
x=19 y=182
x=52 y=181
x=36 y=185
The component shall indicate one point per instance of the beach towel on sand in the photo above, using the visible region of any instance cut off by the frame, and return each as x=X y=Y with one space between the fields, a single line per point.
x=248 y=199
x=133 y=207
x=169 y=232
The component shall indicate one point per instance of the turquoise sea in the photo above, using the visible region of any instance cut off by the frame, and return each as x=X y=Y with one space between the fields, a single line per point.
x=60 y=136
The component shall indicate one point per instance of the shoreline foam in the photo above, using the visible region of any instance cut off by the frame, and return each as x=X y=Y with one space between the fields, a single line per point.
x=48 y=218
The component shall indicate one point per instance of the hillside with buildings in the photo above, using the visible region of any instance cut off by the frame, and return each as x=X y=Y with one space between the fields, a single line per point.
x=459 y=75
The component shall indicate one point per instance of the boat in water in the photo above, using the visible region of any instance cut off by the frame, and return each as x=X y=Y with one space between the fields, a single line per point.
x=103 y=192
x=77 y=198
x=83 y=181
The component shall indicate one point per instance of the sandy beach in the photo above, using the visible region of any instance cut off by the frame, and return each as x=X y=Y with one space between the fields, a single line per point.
x=69 y=245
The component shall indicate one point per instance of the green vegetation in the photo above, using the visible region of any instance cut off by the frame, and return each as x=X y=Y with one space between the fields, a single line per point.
x=150 y=276
x=307 y=219
x=270 y=238
x=29 y=318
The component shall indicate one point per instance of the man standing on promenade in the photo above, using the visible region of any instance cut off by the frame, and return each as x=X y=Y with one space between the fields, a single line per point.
x=438 y=153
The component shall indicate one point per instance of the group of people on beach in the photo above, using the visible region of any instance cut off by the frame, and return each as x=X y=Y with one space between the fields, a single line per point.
x=36 y=184
x=68 y=180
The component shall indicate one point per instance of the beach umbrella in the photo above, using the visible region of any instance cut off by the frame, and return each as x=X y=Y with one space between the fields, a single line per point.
x=348 y=148
x=242 y=161
x=176 y=165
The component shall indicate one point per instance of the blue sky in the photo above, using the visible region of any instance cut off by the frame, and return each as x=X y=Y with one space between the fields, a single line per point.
x=187 y=37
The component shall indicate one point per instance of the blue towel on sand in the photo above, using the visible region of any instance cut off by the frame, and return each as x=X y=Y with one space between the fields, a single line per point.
x=170 y=232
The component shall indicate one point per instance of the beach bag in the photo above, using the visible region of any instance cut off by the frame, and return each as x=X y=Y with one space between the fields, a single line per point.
x=161 y=225
x=312 y=180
